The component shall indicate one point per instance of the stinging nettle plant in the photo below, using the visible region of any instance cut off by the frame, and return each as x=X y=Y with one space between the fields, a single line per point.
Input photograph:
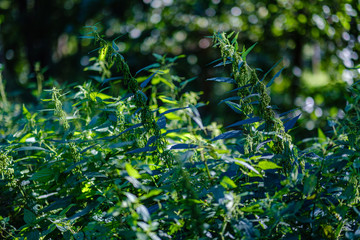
x=106 y=162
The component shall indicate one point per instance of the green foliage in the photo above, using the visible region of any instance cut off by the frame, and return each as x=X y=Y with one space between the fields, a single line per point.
x=128 y=157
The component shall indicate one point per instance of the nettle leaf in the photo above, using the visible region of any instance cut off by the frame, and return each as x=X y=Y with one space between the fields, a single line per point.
x=226 y=135
x=222 y=79
x=227 y=183
x=234 y=106
x=183 y=146
x=145 y=83
x=132 y=171
x=310 y=185
x=239 y=88
x=223 y=63
x=248 y=51
x=151 y=140
x=291 y=123
x=85 y=211
x=275 y=76
x=110 y=79
x=230 y=99
x=321 y=136
x=141 y=150
x=44 y=175
x=270 y=70
x=33 y=235
x=30 y=148
x=166 y=99
x=143 y=213
x=246 y=121
x=266 y=165
x=239 y=162
x=121 y=144
x=171 y=110
x=161 y=122
x=29 y=217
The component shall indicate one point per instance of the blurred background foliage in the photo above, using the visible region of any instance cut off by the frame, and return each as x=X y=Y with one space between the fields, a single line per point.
x=317 y=42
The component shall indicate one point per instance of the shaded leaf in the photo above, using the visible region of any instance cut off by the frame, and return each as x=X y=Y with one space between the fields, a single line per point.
x=145 y=83
x=154 y=65
x=274 y=77
x=222 y=79
x=44 y=175
x=29 y=217
x=248 y=51
x=140 y=150
x=31 y=148
x=234 y=106
x=183 y=146
x=290 y=124
x=85 y=211
x=226 y=135
x=161 y=122
x=246 y=121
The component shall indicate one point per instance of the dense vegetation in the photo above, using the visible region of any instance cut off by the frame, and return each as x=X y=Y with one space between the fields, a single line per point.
x=127 y=156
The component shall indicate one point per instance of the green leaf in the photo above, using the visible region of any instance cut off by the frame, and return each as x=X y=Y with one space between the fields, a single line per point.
x=310 y=185
x=266 y=165
x=26 y=112
x=275 y=76
x=29 y=217
x=132 y=171
x=44 y=175
x=248 y=51
x=227 y=183
x=33 y=235
x=321 y=136
x=31 y=148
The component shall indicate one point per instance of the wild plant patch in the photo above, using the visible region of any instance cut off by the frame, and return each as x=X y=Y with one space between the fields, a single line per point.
x=127 y=156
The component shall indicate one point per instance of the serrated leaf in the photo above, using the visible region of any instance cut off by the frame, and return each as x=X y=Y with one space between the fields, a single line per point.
x=44 y=175
x=29 y=217
x=266 y=165
x=132 y=171
x=226 y=135
x=222 y=79
x=246 y=121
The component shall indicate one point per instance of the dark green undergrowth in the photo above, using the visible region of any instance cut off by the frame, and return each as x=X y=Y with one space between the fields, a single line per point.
x=126 y=156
